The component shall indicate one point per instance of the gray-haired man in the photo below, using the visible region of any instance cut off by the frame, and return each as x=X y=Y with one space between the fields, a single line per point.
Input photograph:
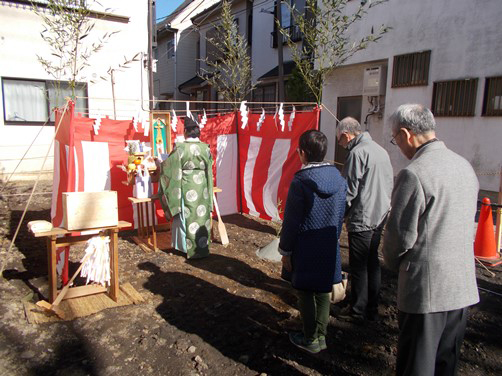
x=429 y=241
x=369 y=185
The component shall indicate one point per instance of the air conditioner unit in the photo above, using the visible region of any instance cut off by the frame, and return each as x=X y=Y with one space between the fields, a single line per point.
x=374 y=81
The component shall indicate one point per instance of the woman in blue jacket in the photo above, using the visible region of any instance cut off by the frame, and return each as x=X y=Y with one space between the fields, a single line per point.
x=310 y=235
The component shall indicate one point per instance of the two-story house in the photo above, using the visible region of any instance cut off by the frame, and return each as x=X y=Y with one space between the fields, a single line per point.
x=179 y=56
x=206 y=23
x=29 y=93
x=177 y=50
x=445 y=55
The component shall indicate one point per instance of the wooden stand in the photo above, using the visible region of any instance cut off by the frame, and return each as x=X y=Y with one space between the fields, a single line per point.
x=147 y=235
x=67 y=240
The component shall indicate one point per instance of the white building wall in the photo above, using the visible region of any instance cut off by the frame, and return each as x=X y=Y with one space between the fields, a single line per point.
x=464 y=39
x=20 y=43
x=186 y=56
x=238 y=11
x=165 y=69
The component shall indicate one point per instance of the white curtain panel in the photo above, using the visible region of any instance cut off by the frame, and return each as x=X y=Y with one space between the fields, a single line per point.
x=25 y=100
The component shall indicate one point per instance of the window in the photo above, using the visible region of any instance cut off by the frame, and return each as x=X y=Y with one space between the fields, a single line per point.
x=492 y=102
x=170 y=49
x=264 y=93
x=411 y=69
x=288 y=20
x=454 y=98
x=30 y=101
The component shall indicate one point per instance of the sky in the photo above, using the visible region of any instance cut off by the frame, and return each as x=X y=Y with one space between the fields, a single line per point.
x=166 y=7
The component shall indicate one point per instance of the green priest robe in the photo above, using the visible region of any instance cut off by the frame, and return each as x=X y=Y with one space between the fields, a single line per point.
x=186 y=192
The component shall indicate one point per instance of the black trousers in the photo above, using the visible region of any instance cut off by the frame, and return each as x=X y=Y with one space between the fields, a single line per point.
x=364 y=266
x=429 y=344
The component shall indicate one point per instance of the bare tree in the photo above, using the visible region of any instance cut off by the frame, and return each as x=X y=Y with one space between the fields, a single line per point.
x=325 y=26
x=67 y=24
x=229 y=65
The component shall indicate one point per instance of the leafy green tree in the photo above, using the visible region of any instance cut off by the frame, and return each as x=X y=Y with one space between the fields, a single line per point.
x=325 y=26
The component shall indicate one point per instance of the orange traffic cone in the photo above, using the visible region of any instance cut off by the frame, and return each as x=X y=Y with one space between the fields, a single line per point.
x=485 y=248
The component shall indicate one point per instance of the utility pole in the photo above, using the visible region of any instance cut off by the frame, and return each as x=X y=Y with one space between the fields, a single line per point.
x=152 y=36
x=280 y=66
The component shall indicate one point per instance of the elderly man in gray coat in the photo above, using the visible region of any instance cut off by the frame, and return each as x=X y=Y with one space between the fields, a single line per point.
x=369 y=187
x=429 y=242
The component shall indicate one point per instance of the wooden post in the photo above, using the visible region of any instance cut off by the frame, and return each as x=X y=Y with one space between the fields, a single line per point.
x=114 y=260
x=154 y=235
x=499 y=214
x=51 y=266
x=141 y=230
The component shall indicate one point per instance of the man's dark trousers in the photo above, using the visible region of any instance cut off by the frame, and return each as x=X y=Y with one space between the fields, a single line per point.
x=364 y=271
x=429 y=343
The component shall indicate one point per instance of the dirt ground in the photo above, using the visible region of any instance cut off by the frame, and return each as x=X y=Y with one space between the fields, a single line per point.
x=224 y=315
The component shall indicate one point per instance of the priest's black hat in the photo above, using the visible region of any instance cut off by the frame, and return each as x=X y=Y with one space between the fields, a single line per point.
x=190 y=123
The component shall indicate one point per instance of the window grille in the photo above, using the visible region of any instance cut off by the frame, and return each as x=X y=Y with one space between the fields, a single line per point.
x=492 y=102
x=411 y=69
x=454 y=98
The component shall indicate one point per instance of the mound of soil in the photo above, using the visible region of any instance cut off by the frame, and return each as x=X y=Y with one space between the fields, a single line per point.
x=224 y=315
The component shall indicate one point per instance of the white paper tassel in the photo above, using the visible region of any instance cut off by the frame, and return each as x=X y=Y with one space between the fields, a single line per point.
x=97 y=266
x=281 y=117
x=244 y=114
x=60 y=263
x=261 y=119
x=174 y=121
x=291 y=119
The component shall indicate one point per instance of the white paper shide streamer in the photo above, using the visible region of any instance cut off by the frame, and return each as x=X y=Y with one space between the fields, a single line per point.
x=261 y=119
x=244 y=114
x=203 y=121
x=281 y=117
x=135 y=121
x=96 y=125
x=174 y=121
x=97 y=266
x=291 y=119
x=189 y=113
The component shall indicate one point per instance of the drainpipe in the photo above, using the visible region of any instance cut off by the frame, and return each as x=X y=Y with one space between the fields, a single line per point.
x=175 y=67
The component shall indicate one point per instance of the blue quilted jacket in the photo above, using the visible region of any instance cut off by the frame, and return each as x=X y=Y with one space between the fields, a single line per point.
x=311 y=228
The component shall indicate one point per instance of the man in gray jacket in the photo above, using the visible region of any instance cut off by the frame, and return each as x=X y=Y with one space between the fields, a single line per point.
x=429 y=242
x=369 y=186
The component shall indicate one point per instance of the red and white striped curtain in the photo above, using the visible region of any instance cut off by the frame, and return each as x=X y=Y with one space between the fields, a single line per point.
x=253 y=165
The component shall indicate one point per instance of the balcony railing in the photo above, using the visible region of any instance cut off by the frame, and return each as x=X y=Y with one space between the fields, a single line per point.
x=293 y=32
